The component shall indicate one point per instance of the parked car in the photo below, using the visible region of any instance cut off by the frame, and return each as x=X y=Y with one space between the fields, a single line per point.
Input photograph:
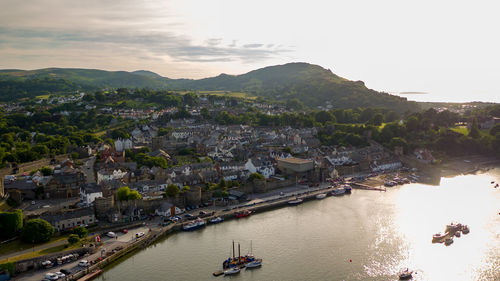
x=202 y=213
x=124 y=231
x=60 y=274
x=139 y=234
x=83 y=263
x=188 y=216
x=47 y=264
x=111 y=234
x=65 y=271
x=51 y=276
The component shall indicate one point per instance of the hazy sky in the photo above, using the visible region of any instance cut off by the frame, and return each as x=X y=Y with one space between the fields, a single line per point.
x=449 y=49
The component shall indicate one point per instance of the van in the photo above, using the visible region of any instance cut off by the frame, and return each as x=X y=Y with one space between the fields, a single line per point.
x=111 y=234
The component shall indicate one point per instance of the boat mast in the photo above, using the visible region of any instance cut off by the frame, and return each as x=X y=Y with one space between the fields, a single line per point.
x=233 y=249
x=239 y=253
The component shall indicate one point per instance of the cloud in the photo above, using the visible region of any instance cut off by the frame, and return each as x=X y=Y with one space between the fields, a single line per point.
x=253 y=45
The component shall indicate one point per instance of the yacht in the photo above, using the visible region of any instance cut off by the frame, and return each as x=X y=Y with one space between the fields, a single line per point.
x=216 y=220
x=448 y=241
x=465 y=229
x=321 y=196
x=232 y=271
x=296 y=201
x=254 y=263
x=405 y=274
x=339 y=191
x=196 y=224
x=347 y=189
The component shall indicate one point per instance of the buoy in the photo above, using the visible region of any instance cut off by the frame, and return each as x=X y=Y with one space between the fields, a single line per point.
x=350 y=260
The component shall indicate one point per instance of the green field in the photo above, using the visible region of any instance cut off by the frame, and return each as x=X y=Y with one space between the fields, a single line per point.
x=241 y=95
x=43 y=97
x=464 y=131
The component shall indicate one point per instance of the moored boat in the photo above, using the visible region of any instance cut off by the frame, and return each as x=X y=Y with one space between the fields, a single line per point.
x=457 y=234
x=216 y=220
x=405 y=274
x=296 y=201
x=232 y=271
x=347 y=189
x=254 y=264
x=196 y=224
x=465 y=229
x=321 y=196
x=448 y=241
x=239 y=261
x=439 y=238
x=339 y=191
x=242 y=214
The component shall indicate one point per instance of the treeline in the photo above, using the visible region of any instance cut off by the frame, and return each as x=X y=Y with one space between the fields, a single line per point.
x=12 y=90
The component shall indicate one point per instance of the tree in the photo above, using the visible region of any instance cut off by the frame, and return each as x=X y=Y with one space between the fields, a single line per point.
x=377 y=119
x=73 y=238
x=10 y=223
x=37 y=231
x=172 y=190
x=412 y=124
x=495 y=130
x=255 y=176
x=134 y=195
x=46 y=171
x=81 y=231
x=122 y=193
x=474 y=130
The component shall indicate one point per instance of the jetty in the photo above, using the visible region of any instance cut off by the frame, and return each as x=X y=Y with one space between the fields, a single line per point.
x=366 y=187
x=91 y=275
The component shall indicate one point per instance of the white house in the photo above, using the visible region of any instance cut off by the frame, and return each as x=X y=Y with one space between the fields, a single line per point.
x=166 y=208
x=106 y=175
x=263 y=167
x=89 y=192
x=121 y=145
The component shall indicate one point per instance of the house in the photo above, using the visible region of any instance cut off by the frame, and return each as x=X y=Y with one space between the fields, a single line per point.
x=89 y=192
x=424 y=155
x=258 y=165
x=25 y=188
x=64 y=185
x=121 y=145
x=165 y=210
x=68 y=220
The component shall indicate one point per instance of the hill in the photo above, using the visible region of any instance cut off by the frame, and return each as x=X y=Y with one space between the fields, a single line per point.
x=311 y=84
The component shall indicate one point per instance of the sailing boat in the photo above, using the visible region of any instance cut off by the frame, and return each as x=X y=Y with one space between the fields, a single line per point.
x=238 y=261
x=255 y=262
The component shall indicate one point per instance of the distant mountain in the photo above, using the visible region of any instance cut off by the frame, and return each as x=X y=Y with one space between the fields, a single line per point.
x=311 y=84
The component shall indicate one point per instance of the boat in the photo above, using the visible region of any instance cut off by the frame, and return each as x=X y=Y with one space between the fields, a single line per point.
x=448 y=241
x=465 y=229
x=254 y=264
x=242 y=214
x=347 y=189
x=232 y=271
x=321 y=196
x=439 y=238
x=339 y=191
x=457 y=234
x=238 y=261
x=194 y=225
x=216 y=220
x=405 y=274
x=296 y=201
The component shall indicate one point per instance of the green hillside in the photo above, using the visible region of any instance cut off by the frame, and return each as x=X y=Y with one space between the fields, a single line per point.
x=311 y=84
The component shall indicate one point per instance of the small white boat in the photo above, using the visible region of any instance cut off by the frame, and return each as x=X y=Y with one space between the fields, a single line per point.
x=216 y=220
x=254 y=264
x=321 y=196
x=297 y=201
x=232 y=271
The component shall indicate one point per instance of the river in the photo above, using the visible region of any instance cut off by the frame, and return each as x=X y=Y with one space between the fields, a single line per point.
x=368 y=235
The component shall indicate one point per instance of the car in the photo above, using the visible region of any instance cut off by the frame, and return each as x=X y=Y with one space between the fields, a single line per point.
x=65 y=271
x=174 y=219
x=202 y=213
x=111 y=234
x=139 y=234
x=60 y=274
x=226 y=210
x=282 y=193
x=124 y=231
x=51 y=276
x=83 y=263
x=33 y=202
x=47 y=264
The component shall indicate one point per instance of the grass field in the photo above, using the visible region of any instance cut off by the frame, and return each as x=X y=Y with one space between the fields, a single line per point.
x=223 y=93
x=44 y=97
x=18 y=245
x=464 y=131
x=42 y=252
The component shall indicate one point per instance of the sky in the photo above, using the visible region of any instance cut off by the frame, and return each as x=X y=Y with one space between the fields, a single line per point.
x=448 y=50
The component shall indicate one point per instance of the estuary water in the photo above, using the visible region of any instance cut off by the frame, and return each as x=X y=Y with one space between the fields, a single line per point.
x=368 y=235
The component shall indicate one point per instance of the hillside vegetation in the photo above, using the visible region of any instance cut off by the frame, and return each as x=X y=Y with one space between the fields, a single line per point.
x=310 y=84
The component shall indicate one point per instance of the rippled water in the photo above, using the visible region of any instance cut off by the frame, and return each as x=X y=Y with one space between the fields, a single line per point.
x=368 y=235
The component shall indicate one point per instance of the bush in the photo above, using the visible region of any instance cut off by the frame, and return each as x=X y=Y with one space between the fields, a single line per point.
x=37 y=231
x=73 y=238
x=80 y=231
x=11 y=223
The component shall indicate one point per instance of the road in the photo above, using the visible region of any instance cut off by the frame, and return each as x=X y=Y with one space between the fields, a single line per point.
x=88 y=169
x=109 y=244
